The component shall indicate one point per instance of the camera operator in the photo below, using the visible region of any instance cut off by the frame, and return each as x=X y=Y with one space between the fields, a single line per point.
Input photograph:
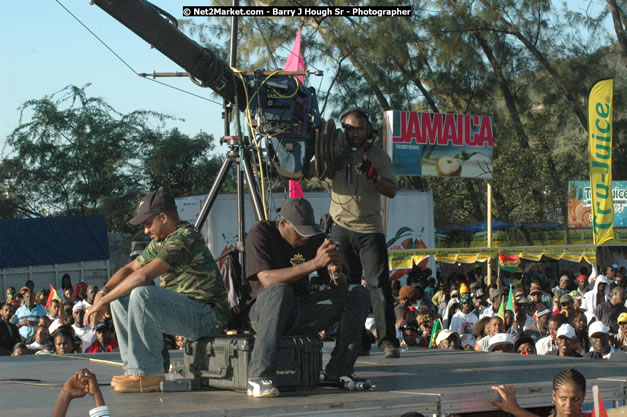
x=356 y=211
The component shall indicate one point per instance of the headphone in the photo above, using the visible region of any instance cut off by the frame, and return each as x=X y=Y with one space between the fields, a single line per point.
x=371 y=133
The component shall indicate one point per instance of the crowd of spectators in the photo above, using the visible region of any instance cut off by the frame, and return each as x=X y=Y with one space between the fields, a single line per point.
x=38 y=323
x=582 y=316
x=576 y=316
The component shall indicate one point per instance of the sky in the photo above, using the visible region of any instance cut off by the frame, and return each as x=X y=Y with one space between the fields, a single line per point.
x=44 y=49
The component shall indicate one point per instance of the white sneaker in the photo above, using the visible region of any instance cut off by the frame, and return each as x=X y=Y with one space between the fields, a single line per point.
x=261 y=388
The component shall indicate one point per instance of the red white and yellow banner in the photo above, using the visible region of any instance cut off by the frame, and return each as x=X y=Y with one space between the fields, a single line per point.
x=600 y=151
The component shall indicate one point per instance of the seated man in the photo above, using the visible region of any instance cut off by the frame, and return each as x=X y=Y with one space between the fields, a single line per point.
x=599 y=336
x=191 y=300
x=279 y=257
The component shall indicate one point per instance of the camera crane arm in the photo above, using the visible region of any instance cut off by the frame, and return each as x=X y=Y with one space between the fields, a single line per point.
x=202 y=64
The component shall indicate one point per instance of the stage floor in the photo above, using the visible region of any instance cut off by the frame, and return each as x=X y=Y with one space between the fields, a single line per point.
x=431 y=382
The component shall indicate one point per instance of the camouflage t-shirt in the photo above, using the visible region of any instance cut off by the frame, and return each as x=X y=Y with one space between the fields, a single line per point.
x=193 y=271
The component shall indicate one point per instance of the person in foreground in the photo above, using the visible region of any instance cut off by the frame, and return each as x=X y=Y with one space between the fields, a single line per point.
x=190 y=302
x=83 y=382
x=569 y=391
x=280 y=255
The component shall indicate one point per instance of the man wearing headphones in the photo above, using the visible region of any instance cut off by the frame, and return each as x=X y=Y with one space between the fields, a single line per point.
x=358 y=229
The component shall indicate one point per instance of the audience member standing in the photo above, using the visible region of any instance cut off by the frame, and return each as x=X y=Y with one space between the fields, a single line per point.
x=9 y=334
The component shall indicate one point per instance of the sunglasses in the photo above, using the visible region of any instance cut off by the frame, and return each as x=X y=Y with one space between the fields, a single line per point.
x=535 y=294
x=565 y=304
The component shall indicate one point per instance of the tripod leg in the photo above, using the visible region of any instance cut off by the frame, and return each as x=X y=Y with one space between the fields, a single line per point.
x=213 y=193
x=252 y=186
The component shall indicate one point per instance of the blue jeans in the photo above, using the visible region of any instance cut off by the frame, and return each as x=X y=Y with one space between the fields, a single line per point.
x=277 y=312
x=367 y=253
x=145 y=314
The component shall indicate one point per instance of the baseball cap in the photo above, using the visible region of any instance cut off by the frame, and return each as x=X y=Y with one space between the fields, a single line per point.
x=544 y=312
x=153 y=203
x=443 y=335
x=499 y=339
x=581 y=277
x=497 y=292
x=597 y=327
x=564 y=278
x=615 y=266
x=566 y=330
x=102 y=326
x=522 y=300
x=300 y=214
x=78 y=306
x=465 y=298
x=622 y=318
x=565 y=298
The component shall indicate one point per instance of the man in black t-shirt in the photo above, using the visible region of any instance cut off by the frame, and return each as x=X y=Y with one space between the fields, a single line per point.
x=280 y=256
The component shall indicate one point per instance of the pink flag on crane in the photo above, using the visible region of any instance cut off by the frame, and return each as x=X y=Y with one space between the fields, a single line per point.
x=294 y=62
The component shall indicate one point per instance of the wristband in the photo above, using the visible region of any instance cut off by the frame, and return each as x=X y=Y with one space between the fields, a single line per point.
x=104 y=290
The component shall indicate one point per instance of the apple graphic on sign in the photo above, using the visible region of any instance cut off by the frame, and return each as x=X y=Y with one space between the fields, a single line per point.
x=449 y=167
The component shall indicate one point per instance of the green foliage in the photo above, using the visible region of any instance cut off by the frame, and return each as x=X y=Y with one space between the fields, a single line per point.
x=75 y=155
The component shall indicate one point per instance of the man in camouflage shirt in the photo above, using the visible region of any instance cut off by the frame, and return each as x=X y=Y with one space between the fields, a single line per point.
x=191 y=300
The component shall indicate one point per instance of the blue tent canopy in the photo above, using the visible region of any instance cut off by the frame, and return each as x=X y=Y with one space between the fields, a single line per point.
x=52 y=240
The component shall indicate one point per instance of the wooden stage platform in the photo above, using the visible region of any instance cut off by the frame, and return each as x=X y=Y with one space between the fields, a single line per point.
x=432 y=382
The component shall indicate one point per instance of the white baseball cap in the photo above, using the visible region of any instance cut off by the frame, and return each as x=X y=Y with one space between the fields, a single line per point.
x=443 y=335
x=499 y=339
x=597 y=327
x=566 y=330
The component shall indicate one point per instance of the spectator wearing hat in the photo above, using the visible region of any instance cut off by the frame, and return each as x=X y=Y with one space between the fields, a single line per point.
x=539 y=299
x=82 y=331
x=580 y=292
x=542 y=320
x=501 y=343
x=523 y=322
x=448 y=340
x=567 y=307
x=496 y=298
x=494 y=326
x=105 y=340
x=608 y=311
x=439 y=296
x=549 y=343
x=279 y=257
x=190 y=300
x=562 y=288
x=598 y=295
x=620 y=340
x=463 y=322
x=600 y=347
x=566 y=342
x=26 y=317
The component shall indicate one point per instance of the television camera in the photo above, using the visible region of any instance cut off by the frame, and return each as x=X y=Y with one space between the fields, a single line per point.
x=279 y=107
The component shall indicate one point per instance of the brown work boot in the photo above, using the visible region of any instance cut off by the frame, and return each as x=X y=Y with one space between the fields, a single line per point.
x=136 y=383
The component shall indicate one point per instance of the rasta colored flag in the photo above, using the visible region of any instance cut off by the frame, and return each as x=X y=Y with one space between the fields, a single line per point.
x=53 y=296
x=437 y=326
x=509 y=263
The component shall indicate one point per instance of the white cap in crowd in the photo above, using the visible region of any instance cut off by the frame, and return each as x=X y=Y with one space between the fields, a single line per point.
x=443 y=335
x=597 y=327
x=566 y=330
x=499 y=339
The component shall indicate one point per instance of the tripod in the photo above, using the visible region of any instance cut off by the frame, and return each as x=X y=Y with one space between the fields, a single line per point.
x=239 y=152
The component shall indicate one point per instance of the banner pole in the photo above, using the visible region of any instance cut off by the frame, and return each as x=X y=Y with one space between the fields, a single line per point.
x=489 y=204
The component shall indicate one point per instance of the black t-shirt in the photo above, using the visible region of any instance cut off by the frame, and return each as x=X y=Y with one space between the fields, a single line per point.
x=266 y=250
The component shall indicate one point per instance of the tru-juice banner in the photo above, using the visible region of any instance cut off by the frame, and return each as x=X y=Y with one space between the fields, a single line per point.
x=600 y=151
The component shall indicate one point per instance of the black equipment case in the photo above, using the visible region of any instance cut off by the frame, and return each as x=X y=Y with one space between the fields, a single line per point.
x=222 y=362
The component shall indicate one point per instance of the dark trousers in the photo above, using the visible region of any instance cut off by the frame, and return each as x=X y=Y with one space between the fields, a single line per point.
x=277 y=312
x=367 y=254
